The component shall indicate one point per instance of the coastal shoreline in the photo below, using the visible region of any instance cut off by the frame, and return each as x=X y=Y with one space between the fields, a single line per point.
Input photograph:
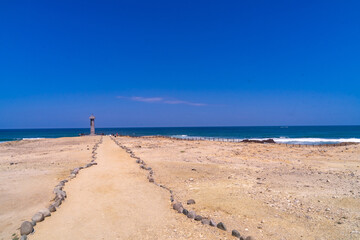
x=311 y=135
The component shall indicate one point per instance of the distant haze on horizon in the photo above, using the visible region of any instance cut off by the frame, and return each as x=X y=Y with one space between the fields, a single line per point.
x=183 y=63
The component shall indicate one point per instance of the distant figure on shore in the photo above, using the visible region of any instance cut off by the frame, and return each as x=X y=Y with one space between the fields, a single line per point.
x=92 y=125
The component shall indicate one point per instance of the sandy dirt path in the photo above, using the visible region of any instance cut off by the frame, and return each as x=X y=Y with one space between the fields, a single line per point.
x=29 y=170
x=114 y=200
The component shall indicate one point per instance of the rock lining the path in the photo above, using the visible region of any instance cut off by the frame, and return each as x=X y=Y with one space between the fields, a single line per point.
x=38 y=217
x=52 y=208
x=28 y=227
x=191 y=214
x=221 y=226
x=45 y=212
x=235 y=233
x=176 y=205
x=205 y=221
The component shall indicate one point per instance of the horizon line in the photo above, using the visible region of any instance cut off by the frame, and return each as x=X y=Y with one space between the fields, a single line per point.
x=44 y=128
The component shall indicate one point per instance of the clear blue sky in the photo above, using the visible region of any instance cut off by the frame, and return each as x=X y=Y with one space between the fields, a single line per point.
x=179 y=63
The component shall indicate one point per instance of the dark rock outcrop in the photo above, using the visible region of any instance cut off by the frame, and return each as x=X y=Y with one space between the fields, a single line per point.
x=270 y=140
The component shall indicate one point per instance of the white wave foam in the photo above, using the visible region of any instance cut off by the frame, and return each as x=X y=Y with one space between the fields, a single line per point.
x=310 y=141
x=180 y=136
x=317 y=140
x=32 y=138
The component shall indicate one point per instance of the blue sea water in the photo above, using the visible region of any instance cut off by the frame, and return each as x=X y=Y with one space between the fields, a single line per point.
x=287 y=134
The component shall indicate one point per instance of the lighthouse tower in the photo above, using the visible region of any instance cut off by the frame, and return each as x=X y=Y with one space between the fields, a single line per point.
x=92 y=125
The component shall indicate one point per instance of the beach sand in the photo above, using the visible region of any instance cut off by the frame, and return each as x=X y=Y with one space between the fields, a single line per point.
x=267 y=191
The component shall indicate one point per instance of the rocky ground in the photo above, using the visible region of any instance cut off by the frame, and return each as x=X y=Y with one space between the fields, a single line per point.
x=268 y=191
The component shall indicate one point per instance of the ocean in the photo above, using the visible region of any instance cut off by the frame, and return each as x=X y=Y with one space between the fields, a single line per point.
x=281 y=134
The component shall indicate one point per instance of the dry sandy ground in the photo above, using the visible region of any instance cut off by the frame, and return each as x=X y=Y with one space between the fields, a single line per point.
x=29 y=170
x=267 y=191
x=114 y=200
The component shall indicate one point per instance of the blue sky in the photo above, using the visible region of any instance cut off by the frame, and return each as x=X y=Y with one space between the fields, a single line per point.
x=179 y=63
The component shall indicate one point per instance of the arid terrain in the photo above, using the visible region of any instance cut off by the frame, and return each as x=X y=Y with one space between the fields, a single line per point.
x=267 y=191
x=29 y=170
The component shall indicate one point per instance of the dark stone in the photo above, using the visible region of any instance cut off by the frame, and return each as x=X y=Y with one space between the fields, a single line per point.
x=235 y=233
x=38 y=217
x=26 y=228
x=177 y=206
x=198 y=218
x=180 y=210
x=60 y=194
x=212 y=223
x=205 y=221
x=249 y=238
x=57 y=189
x=60 y=185
x=190 y=201
x=185 y=211
x=57 y=203
x=151 y=179
x=221 y=226
x=45 y=212
x=259 y=141
x=191 y=214
x=23 y=237
x=52 y=208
